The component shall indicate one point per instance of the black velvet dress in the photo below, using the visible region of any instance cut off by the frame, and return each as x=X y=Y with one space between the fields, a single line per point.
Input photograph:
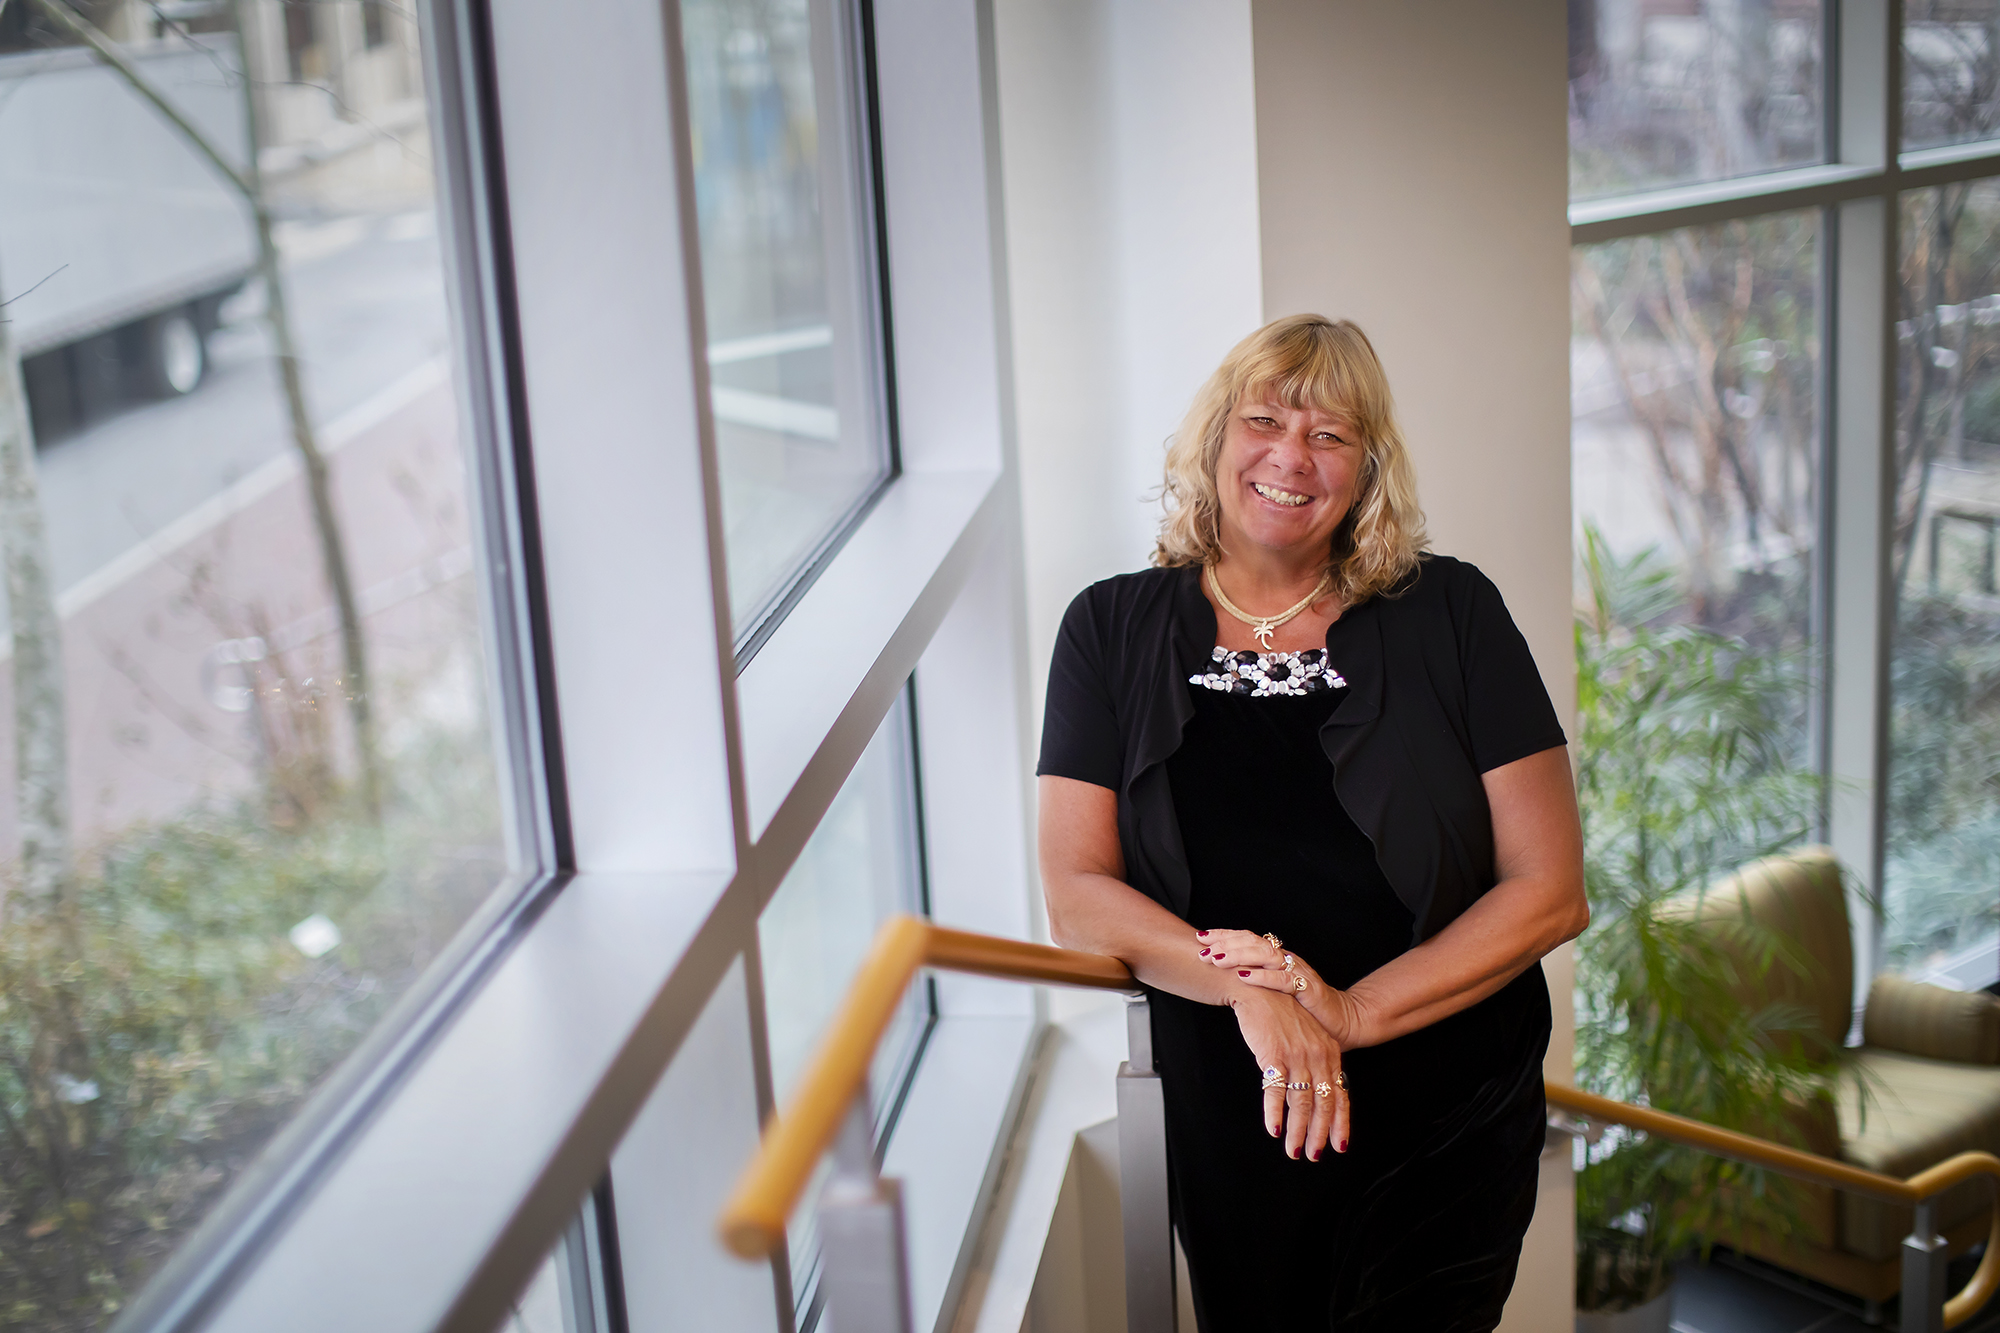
x=1418 y=1225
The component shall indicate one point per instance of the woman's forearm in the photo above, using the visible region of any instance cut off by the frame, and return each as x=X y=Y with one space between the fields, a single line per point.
x=1099 y=914
x=1499 y=937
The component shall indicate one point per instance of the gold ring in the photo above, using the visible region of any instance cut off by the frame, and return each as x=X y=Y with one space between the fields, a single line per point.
x=1322 y=1089
x=1289 y=961
x=1340 y=1080
x=1272 y=1078
x=1276 y=943
x=1298 y=1087
x=1298 y=981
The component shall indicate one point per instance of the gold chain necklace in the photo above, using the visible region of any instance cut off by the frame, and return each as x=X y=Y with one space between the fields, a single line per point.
x=1263 y=627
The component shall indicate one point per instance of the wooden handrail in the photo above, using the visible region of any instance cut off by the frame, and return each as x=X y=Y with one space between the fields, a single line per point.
x=1926 y=1184
x=753 y=1223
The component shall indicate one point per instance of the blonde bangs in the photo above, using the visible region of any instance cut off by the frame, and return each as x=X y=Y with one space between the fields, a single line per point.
x=1307 y=362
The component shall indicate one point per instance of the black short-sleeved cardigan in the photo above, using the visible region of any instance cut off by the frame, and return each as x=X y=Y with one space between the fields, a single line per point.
x=1441 y=688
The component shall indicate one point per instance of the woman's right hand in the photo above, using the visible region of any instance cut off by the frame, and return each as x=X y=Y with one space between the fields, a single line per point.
x=1287 y=1039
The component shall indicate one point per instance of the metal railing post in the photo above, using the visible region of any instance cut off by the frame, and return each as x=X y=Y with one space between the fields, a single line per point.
x=1924 y=1256
x=1142 y=1180
x=866 y=1268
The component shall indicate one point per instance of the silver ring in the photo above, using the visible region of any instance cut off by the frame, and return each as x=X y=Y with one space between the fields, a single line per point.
x=1298 y=1087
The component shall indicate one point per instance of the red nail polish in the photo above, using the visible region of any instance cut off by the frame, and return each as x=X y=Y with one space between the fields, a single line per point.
x=1312 y=1157
x=1243 y=974
x=1219 y=957
x=1201 y=934
x=1343 y=1145
x=1204 y=953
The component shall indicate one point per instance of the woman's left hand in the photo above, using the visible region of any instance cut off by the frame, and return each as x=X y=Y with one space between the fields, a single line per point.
x=1261 y=963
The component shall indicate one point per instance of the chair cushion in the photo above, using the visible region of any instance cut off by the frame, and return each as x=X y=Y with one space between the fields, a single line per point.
x=1918 y=1019
x=1908 y=1113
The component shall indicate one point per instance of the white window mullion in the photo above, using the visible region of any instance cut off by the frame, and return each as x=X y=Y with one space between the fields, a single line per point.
x=1861 y=483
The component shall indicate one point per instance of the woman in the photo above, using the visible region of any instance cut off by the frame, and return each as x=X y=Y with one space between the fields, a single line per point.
x=1306 y=782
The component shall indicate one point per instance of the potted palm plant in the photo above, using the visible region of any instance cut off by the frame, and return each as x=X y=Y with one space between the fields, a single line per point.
x=1688 y=768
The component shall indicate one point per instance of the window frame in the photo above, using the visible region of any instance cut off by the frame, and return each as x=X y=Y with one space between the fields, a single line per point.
x=1857 y=191
x=454 y=1151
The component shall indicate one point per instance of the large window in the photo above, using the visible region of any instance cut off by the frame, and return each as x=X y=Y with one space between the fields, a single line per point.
x=413 y=899
x=255 y=788
x=1666 y=94
x=783 y=182
x=862 y=864
x=1942 y=881
x=1814 y=483
x=1695 y=437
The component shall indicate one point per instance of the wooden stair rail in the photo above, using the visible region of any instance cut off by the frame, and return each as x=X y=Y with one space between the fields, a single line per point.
x=753 y=1223
x=1926 y=1184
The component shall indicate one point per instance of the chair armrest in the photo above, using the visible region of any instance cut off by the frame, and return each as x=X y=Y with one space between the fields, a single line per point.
x=1920 y=1019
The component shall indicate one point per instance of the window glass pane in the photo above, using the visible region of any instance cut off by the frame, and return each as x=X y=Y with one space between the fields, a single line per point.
x=788 y=279
x=1671 y=93
x=861 y=865
x=1951 y=71
x=1942 y=878
x=1693 y=371
x=567 y=1293
x=240 y=813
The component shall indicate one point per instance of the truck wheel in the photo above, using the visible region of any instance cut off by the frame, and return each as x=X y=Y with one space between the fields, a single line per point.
x=170 y=357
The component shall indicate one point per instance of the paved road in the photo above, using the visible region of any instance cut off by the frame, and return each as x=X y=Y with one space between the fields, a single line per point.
x=175 y=526
x=368 y=302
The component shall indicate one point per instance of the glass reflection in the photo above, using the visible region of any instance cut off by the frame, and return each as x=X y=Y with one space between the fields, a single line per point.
x=788 y=278
x=1669 y=94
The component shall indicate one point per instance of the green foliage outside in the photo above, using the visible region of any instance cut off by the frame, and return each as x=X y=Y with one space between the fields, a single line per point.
x=157 y=1025
x=1687 y=768
x=1944 y=779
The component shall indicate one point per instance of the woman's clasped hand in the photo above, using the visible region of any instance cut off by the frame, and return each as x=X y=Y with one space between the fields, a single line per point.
x=1293 y=1023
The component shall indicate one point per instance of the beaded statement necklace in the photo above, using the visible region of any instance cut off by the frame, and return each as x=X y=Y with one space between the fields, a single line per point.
x=1263 y=627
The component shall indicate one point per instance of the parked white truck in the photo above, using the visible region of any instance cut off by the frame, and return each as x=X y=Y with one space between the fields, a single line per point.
x=118 y=243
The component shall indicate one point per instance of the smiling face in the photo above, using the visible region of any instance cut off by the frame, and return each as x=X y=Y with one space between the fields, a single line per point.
x=1286 y=476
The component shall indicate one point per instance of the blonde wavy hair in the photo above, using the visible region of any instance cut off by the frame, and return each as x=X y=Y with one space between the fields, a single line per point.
x=1307 y=361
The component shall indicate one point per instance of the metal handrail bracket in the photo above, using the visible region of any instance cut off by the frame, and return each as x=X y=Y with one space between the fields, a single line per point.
x=1142 y=1180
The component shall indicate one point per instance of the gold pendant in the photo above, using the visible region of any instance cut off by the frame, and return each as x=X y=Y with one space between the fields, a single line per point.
x=1263 y=632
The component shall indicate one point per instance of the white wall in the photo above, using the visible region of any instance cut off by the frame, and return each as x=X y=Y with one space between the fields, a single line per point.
x=1131 y=206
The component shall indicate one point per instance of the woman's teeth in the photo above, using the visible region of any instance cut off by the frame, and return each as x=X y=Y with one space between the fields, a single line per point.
x=1276 y=496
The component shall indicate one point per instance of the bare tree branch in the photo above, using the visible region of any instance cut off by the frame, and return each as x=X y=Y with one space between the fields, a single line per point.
x=326 y=519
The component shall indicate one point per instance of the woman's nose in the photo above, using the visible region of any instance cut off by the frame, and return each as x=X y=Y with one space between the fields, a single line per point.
x=1293 y=453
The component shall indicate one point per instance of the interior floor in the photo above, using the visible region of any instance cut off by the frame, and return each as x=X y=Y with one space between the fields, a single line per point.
x=1730 y=1294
